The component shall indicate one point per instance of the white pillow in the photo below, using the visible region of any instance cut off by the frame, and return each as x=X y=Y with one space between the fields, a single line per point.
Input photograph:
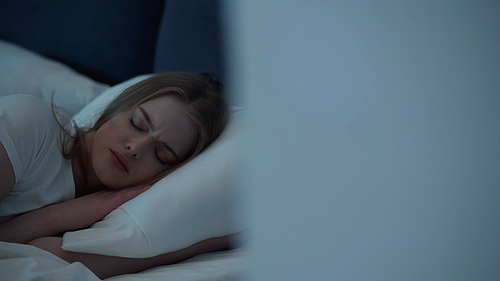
x=194 y=203
x=25 y=72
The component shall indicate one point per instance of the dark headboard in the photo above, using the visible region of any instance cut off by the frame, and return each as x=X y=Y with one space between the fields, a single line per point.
x=114 y=40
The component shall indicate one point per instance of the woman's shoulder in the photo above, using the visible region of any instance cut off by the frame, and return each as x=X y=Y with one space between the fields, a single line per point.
x=27 y=118
x=28 y=110
x=23 y=104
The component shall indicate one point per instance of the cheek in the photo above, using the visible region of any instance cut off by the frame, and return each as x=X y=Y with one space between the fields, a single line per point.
x=111 y=127
x=149 y=167
x=112 y=131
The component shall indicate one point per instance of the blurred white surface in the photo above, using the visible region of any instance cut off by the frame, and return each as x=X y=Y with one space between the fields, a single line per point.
x=374 y=141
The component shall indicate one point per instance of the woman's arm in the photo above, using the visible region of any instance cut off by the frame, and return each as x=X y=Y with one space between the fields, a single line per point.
x=70 y=215
x=107 y=266
x=7 y=177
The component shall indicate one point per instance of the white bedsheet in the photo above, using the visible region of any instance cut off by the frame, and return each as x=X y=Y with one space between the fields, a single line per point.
x=226 y=265
x=24 y=262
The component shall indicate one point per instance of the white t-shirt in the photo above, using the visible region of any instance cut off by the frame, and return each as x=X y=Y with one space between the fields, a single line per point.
x=30 y=135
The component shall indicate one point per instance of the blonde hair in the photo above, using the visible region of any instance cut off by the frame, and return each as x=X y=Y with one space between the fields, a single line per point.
x=202 y=95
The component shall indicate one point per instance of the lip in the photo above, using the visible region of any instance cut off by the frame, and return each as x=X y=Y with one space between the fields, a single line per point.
x=119 y=160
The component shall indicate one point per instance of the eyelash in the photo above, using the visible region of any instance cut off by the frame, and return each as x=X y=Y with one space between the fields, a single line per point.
x=140 y=130
x=134 y=125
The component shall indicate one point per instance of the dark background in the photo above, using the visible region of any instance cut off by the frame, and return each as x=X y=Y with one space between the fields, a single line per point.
x=115 y=40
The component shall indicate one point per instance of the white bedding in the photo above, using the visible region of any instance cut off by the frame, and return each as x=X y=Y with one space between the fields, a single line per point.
x=25 y=262
x=225 y=265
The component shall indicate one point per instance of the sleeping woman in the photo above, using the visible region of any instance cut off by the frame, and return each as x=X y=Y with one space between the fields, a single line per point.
x=56 y=177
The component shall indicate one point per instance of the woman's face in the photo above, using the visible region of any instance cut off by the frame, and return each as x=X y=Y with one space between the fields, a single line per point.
x=134 y=146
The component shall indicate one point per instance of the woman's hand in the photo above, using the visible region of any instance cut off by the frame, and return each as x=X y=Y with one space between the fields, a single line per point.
x=73 y=214
x=84 y=211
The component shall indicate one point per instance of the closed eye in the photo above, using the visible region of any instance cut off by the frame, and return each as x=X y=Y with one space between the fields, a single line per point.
x=134 y=125
x=159 y=159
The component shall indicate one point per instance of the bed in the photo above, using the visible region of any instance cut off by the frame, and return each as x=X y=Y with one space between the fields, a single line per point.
x=52 y=46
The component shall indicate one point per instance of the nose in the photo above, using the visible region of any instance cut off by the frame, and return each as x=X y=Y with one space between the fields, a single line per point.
x=136 y=145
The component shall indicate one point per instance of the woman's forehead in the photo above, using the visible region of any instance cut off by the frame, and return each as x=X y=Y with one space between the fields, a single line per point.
x=167 y=116
x=164 y=109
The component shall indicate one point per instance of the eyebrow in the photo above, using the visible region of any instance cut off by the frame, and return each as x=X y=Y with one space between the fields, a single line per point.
x=151 y=125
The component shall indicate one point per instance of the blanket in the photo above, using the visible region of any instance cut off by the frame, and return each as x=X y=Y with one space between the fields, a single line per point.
x=24 y=262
